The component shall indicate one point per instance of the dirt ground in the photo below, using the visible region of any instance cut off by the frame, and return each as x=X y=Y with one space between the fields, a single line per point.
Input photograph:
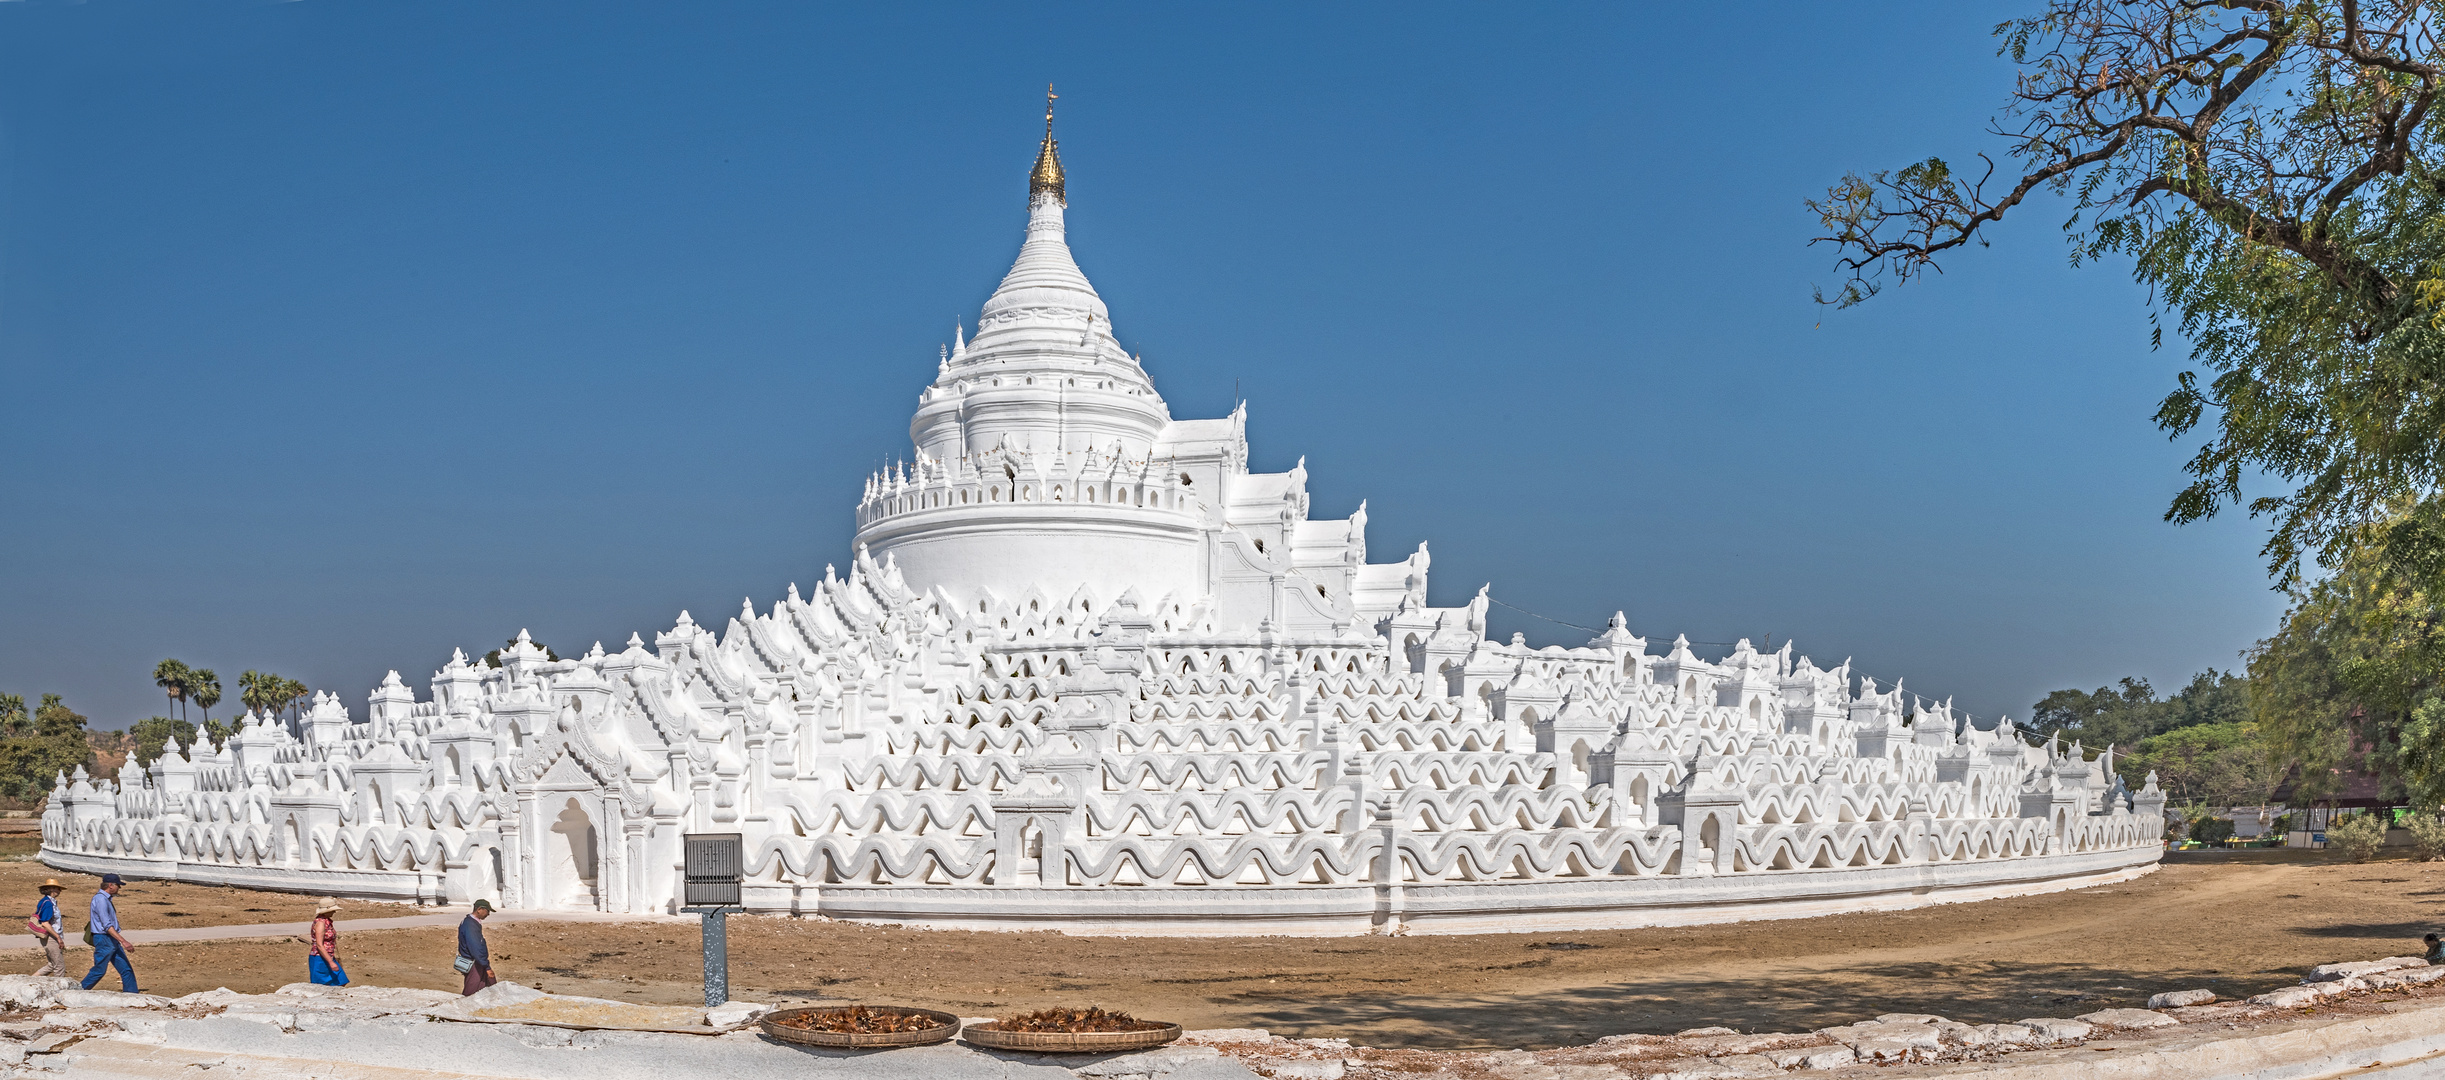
x=156 y=905
x=2238 y=923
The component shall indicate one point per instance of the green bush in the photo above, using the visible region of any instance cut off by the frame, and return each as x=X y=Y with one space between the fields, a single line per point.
x=2358 y=837
x=2213 y=830
x=2427 y=836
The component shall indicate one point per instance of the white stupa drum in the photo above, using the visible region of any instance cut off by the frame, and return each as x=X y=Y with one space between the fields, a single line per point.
x=1086 y=671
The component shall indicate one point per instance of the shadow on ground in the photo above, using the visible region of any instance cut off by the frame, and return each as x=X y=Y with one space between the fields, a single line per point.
x=2396 y=930
x=1983 y=993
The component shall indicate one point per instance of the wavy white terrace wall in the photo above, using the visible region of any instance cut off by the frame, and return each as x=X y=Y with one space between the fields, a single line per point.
x=1044 y=764
x=1122 y=680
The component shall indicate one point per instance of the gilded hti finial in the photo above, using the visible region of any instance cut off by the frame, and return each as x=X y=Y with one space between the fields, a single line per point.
x=1047 y=175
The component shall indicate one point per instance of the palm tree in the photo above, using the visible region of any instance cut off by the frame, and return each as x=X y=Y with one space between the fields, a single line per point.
x=205 y=688
x=13 y=719
x=172 y=677
x=294 y=694
x=260 y=691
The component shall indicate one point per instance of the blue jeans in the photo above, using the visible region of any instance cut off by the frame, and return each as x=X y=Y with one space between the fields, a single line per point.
x=107 y=954
x=323 y=972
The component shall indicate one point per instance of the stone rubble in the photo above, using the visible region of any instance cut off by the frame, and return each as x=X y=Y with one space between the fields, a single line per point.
x=2331 y=972
x=52 y=1022
x=2127 y=1018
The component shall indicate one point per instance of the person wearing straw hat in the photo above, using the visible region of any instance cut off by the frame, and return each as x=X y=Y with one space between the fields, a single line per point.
x=323 y=935
x=46 y=927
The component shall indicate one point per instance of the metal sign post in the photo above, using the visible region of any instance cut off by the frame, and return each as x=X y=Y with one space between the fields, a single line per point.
x=713 y=864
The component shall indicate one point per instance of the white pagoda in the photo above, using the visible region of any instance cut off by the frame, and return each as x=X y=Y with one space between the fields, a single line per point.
x=1086 y=671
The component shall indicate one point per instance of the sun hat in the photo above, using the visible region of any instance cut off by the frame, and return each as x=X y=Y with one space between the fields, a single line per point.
x=51 y=883
x=327 y=904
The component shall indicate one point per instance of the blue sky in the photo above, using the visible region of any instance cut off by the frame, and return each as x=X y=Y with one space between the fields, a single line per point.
x=333 y=335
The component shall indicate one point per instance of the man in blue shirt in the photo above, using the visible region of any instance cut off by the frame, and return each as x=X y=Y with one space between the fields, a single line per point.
x=110 y=947
x=474 y=959
x=46 y=927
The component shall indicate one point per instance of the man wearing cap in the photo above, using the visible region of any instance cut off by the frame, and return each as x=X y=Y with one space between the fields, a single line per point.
x=110 y=947
x=46 y=927
x=474 y=960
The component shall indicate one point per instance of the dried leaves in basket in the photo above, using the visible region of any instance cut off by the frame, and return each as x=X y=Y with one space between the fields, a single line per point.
x=1074 y=1021
x=858 y=1020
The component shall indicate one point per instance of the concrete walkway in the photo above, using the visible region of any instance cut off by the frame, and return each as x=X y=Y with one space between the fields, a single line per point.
x=244 y=931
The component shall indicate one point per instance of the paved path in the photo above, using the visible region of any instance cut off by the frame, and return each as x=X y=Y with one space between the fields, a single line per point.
x=244 y=931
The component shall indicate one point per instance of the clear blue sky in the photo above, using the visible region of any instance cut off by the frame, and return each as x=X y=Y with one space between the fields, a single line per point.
x=333 y=335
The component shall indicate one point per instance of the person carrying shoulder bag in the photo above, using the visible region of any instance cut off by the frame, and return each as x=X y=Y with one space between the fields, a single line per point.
x=46 y=928
x=474 y=958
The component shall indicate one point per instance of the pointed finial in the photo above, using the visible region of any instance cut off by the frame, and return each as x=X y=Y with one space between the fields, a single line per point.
x=1046 y=179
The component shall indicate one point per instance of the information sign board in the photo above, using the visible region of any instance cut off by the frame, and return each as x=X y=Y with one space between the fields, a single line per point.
x=713 y=864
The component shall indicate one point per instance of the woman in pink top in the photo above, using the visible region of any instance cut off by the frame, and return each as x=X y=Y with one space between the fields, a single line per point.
x=323 y=964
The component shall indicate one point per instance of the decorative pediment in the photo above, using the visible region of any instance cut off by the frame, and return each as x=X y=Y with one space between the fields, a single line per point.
x=572 y=760
x=567 y=773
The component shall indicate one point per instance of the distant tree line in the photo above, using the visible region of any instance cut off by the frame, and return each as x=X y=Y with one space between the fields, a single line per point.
x=2203 y=743
x=36 y=746
x=260 y=691
x=2351 y=686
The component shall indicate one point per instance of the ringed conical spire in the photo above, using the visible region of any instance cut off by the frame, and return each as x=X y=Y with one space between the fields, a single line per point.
x=1046 y=178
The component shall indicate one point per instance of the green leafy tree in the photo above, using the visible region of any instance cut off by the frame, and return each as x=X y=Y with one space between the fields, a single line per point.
x=2216 y=765
x=2129 y=712
x=148 y=735
x=2272 y=168
x=55 y=718
x=2211 y=830
x=2353 y=682
x=13 y=717
x=2107 y=716
x=34 y=752
x=172 y=677
x=2213 y=697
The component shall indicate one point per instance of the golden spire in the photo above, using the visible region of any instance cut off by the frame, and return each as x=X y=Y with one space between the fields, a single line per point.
x=1047 y=174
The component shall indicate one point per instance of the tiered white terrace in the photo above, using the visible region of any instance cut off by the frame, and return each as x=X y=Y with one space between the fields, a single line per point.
x=1087 y=671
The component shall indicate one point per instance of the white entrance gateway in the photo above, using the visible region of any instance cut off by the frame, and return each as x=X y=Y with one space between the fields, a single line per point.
x=1087 y=671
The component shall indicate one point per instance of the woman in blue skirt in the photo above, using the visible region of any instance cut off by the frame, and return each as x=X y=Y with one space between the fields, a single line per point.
x=323 y=964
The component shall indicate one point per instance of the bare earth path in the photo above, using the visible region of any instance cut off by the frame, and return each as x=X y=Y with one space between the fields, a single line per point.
x=2238 y=924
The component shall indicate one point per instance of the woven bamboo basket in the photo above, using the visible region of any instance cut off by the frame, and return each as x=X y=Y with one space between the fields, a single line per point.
x=946 y=1025
x=1063 y=1042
